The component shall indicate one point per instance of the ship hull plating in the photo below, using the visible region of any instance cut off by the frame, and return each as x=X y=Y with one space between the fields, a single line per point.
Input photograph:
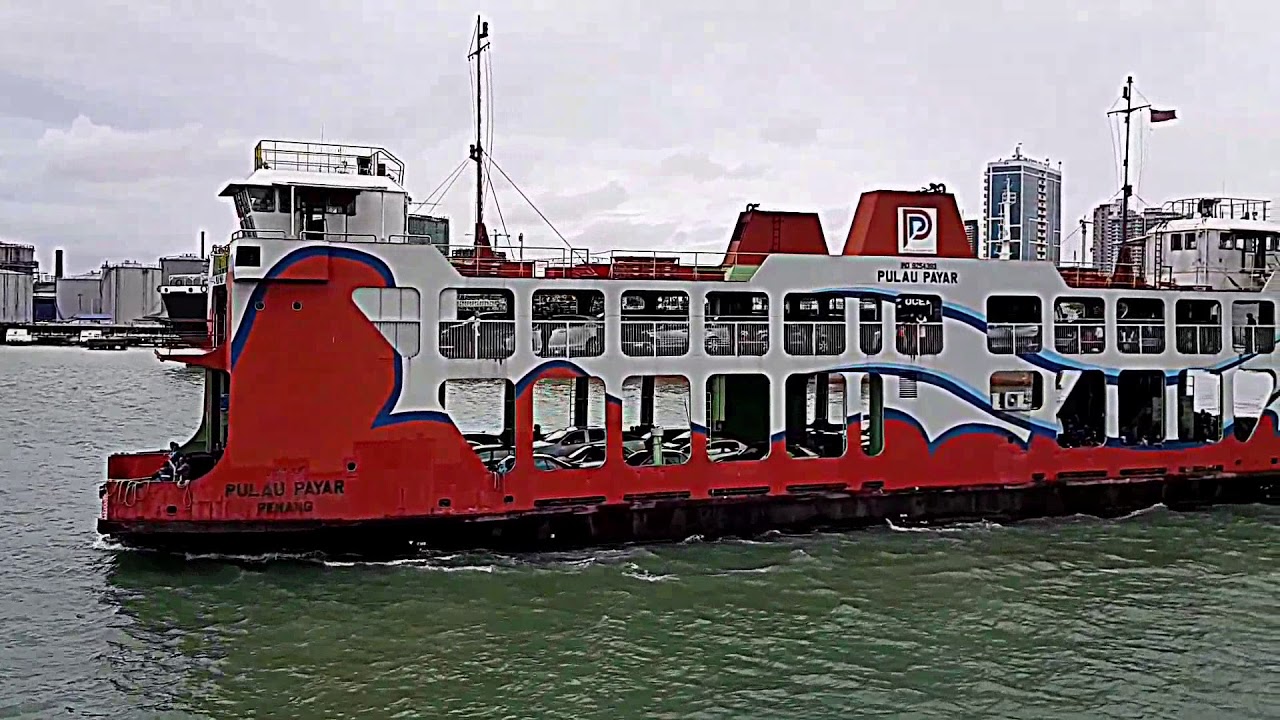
x=586 y=526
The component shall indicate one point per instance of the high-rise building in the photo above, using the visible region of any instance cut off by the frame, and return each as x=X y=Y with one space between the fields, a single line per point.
x=1106 y=230
x=972 y=230
x=1029 y=193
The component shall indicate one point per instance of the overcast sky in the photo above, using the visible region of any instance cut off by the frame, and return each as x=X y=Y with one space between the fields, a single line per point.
x=630 y=124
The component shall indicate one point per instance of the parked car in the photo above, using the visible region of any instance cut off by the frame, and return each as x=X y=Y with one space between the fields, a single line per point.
x=565 y=440
x=569 y=336
x=645 y=457
x=591 y=455
x=540 y=461
x=491 y=455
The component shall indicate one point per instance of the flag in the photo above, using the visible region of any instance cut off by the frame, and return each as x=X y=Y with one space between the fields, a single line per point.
x=1162 y=115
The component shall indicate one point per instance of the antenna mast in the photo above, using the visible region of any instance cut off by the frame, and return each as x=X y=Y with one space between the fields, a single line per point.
x=1126 y=190
x=477 y=149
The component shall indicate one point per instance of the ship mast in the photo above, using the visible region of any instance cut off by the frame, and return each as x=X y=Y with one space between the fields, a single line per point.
x=477 y=149
x=1126 y=190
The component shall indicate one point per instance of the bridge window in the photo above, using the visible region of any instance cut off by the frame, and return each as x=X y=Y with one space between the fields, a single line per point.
x=813 y=324
x=484 y=412
x=1199 y=406
x=1140 y=394
x=397 y=313
x=1198 y=327
x=737 y=323
x=1083 y=414
x=568 y=323
x=918 y=324
x=1140 y=326
x=1250 y=393
x=1253 y=326
x=655 y=414
x=262 y=199
x=568 y=415
x=870 y=326
x=815 y=416
x=1079 y=325
x=655 y=323
x=738 y=417
x=477 y=324
x=1016 y=391
x=871 y=414
x=1014 y=325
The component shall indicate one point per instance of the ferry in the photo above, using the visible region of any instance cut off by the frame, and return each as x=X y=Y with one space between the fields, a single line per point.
x=898 y=379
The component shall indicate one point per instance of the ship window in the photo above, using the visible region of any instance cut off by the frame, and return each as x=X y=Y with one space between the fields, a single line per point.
x=813 y=324
x=815 y=415
x=1198 y=327
x=918 y=327
x=1140 y=326
x=1251 y=392
x=871 y=414
x=484 y=411
x=568 y=323
x=1226 y=241
x=737 y=323
x=282 y=191
x=477 y=324
x=1014 y=325
x=1199 y=406
x=262 y=199
x=568 y=415
x=1016 y=391
x=655 y=323
x=1083 y=414
x=1175 y=241
x=870 y=326
x=248 y=256
x=655 y=413
x=1140 y=396
x=1079 y=325
x=1253 y=326
x=738 y=417
x=396 y=312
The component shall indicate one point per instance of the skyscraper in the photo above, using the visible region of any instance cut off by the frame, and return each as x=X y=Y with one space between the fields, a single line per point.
x=1106 y=230
x=1033 y=193
x=972 y=230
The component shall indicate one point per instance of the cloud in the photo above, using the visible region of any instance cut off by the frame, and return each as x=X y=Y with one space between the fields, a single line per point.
x=88 y=152
x=700 y=166
x=792 y=131
x=628 y=123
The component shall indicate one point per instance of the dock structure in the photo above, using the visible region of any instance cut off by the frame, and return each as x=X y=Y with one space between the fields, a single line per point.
x=72 y=333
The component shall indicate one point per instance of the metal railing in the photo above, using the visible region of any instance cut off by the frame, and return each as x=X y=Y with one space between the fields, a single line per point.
x=1250 y=339
x=813 y=337
x=1140 y=338
x=737 y=337
x=326 y=158
x=1089 y=338
x=1198 y=339
x=477 y=339
x=265 y=234
x=654 y=338
x=567 y=262
x=1014 y=338
x=326 y=236
x=919 y=338
x=568 y=338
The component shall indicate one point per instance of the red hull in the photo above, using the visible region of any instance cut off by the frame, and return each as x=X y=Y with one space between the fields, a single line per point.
x=313 y=438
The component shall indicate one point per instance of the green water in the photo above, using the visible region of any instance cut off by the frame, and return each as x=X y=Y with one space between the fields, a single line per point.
x=1159 y=615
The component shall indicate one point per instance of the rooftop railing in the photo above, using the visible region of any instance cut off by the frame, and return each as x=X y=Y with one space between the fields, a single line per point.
x=327 y=158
